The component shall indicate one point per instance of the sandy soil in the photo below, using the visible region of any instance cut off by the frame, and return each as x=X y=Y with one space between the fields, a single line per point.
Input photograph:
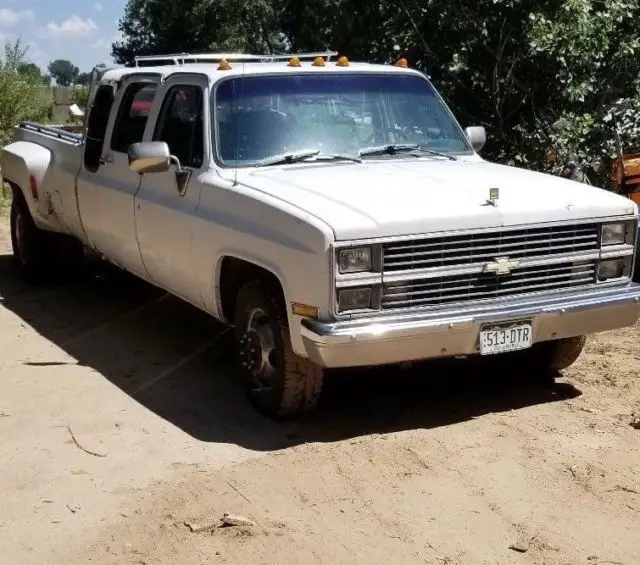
x=442 y=464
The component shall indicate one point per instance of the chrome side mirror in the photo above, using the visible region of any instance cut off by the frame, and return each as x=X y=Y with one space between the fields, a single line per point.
x=149 y=157
x=477 y=136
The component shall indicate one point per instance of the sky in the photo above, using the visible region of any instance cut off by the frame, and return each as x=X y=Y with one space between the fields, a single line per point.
x=78 y=30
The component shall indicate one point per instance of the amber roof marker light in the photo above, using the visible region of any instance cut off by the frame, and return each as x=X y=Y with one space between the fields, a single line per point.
x=294 y=62
x=402 y=62
x=224 y=65
x=342 y=62
x=318 y=62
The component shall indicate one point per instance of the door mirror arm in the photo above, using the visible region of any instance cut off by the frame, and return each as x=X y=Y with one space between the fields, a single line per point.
x=182 y=180
x=182 y=175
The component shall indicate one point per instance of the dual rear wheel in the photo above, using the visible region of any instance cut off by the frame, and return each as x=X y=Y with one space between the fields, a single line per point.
x=40 y=255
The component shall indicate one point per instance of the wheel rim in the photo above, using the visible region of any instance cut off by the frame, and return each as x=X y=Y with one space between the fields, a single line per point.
x=258 y=351
x=20 y=233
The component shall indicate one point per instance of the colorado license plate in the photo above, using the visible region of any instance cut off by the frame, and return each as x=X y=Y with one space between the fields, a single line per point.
x=502 y=339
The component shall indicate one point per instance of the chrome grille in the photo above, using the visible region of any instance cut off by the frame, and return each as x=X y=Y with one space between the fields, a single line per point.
x=457 y=288
x=463 y=250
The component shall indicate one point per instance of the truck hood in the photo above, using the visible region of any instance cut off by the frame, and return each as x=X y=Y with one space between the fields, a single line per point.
x=400 y=197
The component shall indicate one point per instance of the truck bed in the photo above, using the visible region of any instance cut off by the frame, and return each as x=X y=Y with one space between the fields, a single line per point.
x=72 y=134
x=52 y=155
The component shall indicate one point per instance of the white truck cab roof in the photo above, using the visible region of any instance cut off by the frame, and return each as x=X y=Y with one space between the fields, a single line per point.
x=221 y=66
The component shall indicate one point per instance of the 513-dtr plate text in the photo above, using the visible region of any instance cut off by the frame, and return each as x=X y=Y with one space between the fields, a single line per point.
x=502 y=339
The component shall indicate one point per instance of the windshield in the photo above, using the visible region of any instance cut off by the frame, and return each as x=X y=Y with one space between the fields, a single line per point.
x=261 y=117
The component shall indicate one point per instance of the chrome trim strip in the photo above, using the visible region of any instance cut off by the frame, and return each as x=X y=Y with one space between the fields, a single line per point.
x=615 y=251
x=543 y=260
x=430 y=235
x=396 y=325
x=359 y=279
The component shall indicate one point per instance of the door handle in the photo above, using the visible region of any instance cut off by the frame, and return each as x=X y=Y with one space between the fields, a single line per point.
x=106 y=159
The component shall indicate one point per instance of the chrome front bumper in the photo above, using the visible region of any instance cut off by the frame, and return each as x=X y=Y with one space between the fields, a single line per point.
x=398 y=338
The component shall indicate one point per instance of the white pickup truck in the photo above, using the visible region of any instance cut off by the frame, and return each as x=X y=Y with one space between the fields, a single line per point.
x=334 y=213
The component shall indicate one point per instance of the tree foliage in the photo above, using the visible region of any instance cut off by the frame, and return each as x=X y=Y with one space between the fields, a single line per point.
x=83 y=79
x=21 y=90
x=64 y=72
x=80 y=96
x=34 y=70
x=538 y=75
x=157 y=26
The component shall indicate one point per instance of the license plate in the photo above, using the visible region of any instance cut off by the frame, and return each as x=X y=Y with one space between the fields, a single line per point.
x=502 y=339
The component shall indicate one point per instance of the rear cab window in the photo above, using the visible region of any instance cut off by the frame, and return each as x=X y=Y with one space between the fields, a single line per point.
x=133 y=114
x=97 y=126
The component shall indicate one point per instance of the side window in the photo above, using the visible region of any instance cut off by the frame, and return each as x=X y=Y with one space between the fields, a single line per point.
x=132 y=116
x=97 y=127
x=181 y=124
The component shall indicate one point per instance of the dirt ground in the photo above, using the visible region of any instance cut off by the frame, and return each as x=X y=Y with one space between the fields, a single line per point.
x=122 y=421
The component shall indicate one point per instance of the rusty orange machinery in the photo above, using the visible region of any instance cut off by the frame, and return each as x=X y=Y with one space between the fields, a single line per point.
x=626 y=172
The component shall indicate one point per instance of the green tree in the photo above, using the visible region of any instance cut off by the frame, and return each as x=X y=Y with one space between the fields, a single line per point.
x=80 y=96
x=29 y=69
x=159 y=27
x=33 y=70
x=84 y=79
x=21 y=94
x=593 y=50
x=64 y=72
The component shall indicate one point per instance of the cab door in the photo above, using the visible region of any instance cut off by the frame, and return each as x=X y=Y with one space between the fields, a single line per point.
x=166 y=204
x=106 y=185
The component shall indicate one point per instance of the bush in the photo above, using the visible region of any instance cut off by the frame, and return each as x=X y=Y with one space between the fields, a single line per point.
x=80 y=96
x=22 y=96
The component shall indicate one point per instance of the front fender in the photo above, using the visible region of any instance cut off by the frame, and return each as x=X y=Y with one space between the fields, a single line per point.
x=253 y=259
x=292 y=289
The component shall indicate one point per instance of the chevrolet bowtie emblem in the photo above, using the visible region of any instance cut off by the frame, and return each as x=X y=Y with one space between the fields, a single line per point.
x=501 y=266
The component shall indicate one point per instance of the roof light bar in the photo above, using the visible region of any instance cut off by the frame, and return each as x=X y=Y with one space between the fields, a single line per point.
x=185 y=58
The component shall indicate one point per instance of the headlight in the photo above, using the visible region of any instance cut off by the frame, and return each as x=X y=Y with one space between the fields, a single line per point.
x=618 y=233
x=614 y=269
x=614 y=234
x=354 y=299
x=354 y=260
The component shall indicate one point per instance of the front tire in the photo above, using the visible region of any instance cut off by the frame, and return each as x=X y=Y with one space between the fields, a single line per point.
x=560 y=354
x=279 y=383
x=545 y=360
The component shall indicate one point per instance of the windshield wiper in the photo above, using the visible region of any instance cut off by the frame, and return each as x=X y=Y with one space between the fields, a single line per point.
x=438 y=153
x=390 y=149
x=394 y=148
x=303 y=155
x=337 y=157
x=287 y=158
